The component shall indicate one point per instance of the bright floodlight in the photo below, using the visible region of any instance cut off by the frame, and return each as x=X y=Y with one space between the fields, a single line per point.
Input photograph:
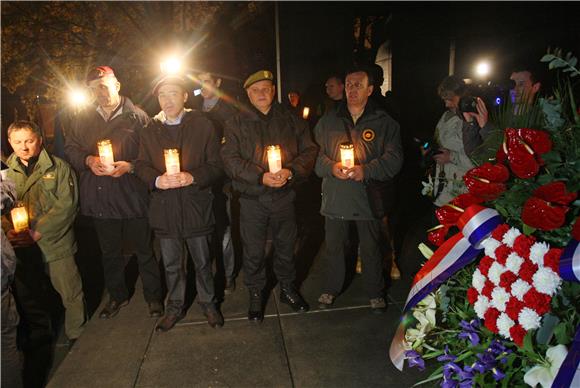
x=78 y=97
x=482 y=69
x=171 y=66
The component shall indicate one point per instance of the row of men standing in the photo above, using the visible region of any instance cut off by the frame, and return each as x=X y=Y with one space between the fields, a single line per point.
x=136 y=195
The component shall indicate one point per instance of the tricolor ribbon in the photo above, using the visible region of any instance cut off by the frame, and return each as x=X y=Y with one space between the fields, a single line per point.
x=476 y=224
x=569 y=373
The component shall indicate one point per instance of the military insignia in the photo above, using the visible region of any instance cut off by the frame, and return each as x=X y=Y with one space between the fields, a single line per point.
x=223 y=140
x=48 y=175
x=368 y=135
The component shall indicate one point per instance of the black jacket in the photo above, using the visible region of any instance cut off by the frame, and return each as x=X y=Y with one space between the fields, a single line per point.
x=104 y=196
x=244 y=152
x=187 y=211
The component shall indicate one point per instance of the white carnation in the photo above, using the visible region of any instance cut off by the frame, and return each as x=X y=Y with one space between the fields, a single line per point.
x=478 y=280
x=529 y=319
x=510 y=236
x=495 y=272
x=514 y=263
x=481 y=305
x=499 y=298
x=537 y=252
x=504 y=324
x=546 y=281
x=490 y=245
x=519 y=289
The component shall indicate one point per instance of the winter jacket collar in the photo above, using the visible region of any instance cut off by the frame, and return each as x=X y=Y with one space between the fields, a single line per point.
x=44 y=163
x=371 y=108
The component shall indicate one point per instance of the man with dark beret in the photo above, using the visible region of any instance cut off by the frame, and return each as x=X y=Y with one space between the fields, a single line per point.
x=267 y=191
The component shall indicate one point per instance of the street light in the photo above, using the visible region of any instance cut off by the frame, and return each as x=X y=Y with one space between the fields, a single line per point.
x=482 y=69
x=171 y=65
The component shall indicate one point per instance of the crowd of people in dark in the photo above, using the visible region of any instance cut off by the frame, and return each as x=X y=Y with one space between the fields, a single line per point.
x=174 y=178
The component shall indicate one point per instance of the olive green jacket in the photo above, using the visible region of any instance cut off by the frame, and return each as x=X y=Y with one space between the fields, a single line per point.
x=51 y=196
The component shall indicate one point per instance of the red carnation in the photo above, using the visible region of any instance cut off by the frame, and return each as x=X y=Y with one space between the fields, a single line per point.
x=576 y=229
x=518 y=333
x=546 y=210
x=500 y=231
x=487 y=181
x=537 y=301
x=501 y=253
x=437 y=236
x=484 y=265
x=491 y=319
x=513 y=308
x=522 y=245
x=488 y=289
x=472 y=295
x=507 y=279
x=528 y=270
x=552 y=259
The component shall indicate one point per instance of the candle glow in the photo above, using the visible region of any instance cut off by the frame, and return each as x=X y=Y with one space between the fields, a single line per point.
x=274 y=158
x=347 y=155
x=305 y=112
x=106 y=154
x=19 y=218
x=172 y=161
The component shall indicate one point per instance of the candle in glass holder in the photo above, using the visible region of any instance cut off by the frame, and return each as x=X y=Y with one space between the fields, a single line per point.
x=274 y=158
x=106 y=154
x=171 y=161
x=305 y=112
x=347 y=155
x=19 y=218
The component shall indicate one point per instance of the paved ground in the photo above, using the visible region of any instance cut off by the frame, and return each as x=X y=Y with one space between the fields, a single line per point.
x=346 y=346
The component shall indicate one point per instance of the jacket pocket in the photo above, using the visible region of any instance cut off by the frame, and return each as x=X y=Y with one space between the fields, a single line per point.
x=198 y=211
x=158 y=212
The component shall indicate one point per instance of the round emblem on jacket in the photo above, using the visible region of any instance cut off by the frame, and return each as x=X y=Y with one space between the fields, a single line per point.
x=368 y=135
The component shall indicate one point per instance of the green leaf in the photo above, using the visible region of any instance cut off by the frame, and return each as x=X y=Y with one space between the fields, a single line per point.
x=561 y=334
x=547 y=58
x=546 y=331
x=528 y=343
x=528 y=230
x=429 y=379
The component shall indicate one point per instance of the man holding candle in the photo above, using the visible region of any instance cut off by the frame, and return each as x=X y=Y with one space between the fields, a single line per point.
x=218 y=110
x=267 y=196
x=364 y=128
x=102 y=147
x=181 y=199
x=47 y=187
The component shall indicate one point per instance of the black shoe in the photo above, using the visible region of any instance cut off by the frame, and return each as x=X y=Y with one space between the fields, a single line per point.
x=112 y=308
x=168 y=322
x=155 y=309
x=293 y=299
x=230 y=287
x=214 y=317
x=255 y=312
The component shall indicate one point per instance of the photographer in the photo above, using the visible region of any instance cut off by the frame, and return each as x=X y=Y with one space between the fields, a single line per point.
x=452 y=132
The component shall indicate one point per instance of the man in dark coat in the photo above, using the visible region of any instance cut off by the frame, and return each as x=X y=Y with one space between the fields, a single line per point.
x=181 y=199
x=378 y=156
x=267 y=197
x=111 y=194
x=218 y=109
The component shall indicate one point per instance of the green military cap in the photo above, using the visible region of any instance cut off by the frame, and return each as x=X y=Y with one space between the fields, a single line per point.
x=258 y=76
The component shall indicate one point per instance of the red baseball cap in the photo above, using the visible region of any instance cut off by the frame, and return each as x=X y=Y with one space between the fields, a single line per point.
x=100 y=72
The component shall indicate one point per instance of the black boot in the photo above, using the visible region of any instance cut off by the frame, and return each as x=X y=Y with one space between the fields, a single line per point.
x=290 y=296
x=255 y=312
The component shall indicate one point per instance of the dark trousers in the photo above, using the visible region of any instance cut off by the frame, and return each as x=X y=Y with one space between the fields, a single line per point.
x=11 y=365
x=174 y=261
x=223 y=234
x=112 y=234
x=336 y=232
x=255 y=216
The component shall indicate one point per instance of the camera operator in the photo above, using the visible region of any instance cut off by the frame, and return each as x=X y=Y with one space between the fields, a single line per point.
x=449 y=152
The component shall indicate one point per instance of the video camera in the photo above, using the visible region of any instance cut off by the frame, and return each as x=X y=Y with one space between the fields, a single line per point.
x=428 y=152
x=493 y=95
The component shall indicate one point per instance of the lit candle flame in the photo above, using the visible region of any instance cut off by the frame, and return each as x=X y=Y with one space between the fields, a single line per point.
x=347 y=155
x=19 y=218
x=305 y=112
x=106 y=154
x=274 y=158
x=172 y=161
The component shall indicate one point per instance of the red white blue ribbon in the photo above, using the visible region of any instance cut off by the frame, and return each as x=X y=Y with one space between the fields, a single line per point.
x=569 y=373
x=476 y=224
